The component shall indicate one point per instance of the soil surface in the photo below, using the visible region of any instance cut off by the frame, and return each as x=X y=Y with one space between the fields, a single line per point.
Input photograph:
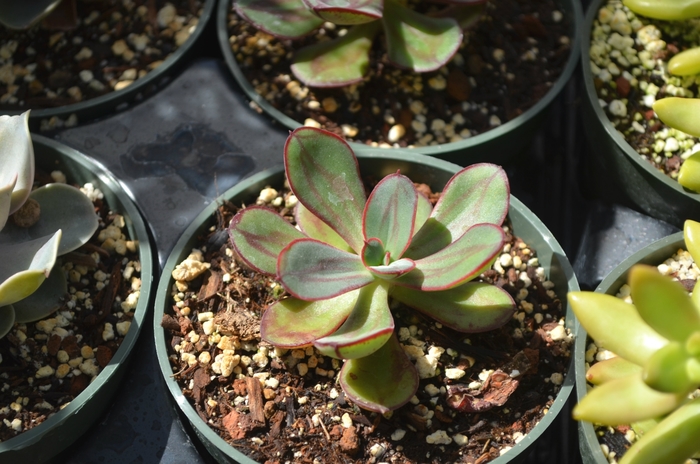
x=45 y=364
x=507 y=63
x=115 y=43
x=285 y=405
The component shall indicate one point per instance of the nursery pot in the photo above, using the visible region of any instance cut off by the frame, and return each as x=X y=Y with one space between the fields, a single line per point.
x=119 y=100
x=380 y=163
x=653 y=254
x=56 y=433
x=616 y=171
x=497 y=145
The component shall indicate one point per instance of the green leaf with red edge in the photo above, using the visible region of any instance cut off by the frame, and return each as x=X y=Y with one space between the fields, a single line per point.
x=457 y=263
x=291 y=323
x=367 y=328
x=419 y=42
x=324 y=175
x=316 y=228
x=477 y=194
x=625 y=400
x=347 y=12
x=338 y=62
x=382 y=381
x=472 y=307
x=663 y=303
x=313 y=270
x=373 y=253
x=289 y=19
x=390 y=214
x=393 y=269
x=611 y=369
x=616 y=325
x=258 y=235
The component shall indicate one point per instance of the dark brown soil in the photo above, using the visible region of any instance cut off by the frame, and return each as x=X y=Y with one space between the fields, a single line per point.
x=72 y=341
x=282 y=416
x=506 y=64
x=41 y=68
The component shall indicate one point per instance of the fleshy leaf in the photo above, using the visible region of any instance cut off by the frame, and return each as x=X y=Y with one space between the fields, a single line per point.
x=390 y=213
x=472 y=307
x=667 y=370
x=373 y=253
x=16 y=157
x=289 y=19
x=616 y=326
x=6 y=200
x=382 y=381
x=368 y=327
x=312 y=270
x=457 y=263
x=24 y=266
x=393 y=269
x=45 y=300
x=477 y=194
x=7 y=319
x=423 y=211
x=663 y=303
x=611 y=369
x=347 y=12
x=259 y=235
x=338 y=62
x=623 y=401
x=680 y=113
x=685 y=63
x=323 y=174
x=689 y=174
x=316 y=228
x=691 y=236
x=419 y=42
x=672 y=441
x=663 y=9
x=291 y=323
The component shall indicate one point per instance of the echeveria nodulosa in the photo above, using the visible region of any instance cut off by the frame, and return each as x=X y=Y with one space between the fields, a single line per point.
x=414 y=41
x=67 y=221
x=657 y=343
x=352 y=253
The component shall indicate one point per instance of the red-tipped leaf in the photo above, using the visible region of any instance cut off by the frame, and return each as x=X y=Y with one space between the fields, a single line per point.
x=347 y=12
x=316 y=228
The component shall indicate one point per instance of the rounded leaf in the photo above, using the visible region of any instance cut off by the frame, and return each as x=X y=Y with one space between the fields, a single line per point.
x=16 y=158
x=691 y=236
x=680 y=113
x=45 y=300
x=689 y=174
x=685 y=63
x=664 y=9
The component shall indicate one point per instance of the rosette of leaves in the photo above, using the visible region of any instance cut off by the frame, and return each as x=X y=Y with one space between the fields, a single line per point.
x=352 y=253
x=651 y=382
x=64 y=219
x=414 y=41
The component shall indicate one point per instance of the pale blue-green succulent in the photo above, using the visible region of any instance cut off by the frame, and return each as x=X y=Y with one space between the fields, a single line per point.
x=31 y=285
x=352 y=253
x=651 y=381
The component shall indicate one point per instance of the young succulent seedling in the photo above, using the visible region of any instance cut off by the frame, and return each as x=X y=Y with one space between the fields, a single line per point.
x=657 y=368
x=353 y=252
x=56 y=219
x=414 y=41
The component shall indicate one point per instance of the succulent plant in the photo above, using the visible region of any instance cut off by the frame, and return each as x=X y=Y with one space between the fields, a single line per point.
x=353 y=252
x=61 y=220
x=683 y=114
x=651 y=382
x=414 y=41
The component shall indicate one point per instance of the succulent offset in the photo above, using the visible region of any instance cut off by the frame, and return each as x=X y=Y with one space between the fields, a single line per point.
x=352 y=253
x=652 y=383
x=678 y=113
x=415 y=41
x=30 y=284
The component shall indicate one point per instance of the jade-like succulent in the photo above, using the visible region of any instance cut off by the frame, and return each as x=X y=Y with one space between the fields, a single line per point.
x=683 y=114
x=651 y=382
x=414 y=41
x=56 y=219
x=352 y=253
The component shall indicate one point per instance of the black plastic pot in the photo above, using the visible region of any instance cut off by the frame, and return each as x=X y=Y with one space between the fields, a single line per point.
x=56 y=433
x=498 y=145
x=381 y=162
x=617 y=172
x=653 y=254
x=119 y=100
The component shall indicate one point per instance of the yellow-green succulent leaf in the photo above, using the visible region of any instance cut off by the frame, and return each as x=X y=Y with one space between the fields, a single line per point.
x=665 y=9
x=689 y=174
x=685 y=63
x=611 y=369
x=691 y=235
x=680 y=113
x=666 y=370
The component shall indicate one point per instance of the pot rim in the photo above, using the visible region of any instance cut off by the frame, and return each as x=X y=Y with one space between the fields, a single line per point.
x=138 y=230
x=574 y=9
x=165 y=284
